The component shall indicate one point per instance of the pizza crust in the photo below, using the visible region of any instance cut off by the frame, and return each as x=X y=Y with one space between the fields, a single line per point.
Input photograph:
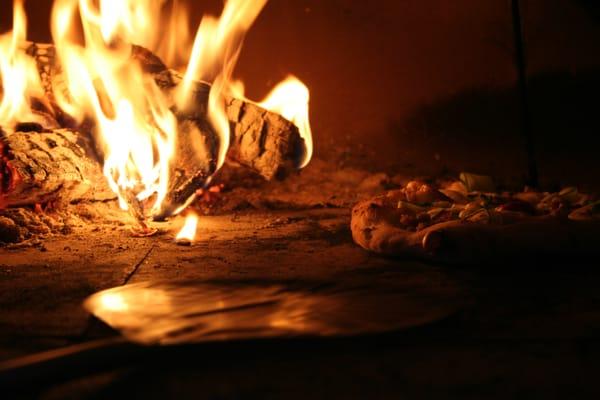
x=375 y=226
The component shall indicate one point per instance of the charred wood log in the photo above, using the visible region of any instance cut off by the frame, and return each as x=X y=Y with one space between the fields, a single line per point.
x=196 y=161
x=48 y=165
x=197 y=143
x=261 y=140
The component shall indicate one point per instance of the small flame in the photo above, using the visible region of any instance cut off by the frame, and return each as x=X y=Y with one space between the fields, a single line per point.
x=188 y=232
x=18 y=74
x=112 y=302
x=290 y=98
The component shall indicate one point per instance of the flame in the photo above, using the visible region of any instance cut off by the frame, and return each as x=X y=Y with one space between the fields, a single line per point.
x=188 y=231
x=135 y=126
x=290 y=99
x=214 y=55
x=112 y=302
x=19 y=75
x=133 y=121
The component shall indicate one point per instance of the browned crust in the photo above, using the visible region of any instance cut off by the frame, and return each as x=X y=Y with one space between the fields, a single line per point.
x=375 y=227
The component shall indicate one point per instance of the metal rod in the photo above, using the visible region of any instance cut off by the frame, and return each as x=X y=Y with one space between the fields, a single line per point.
x=520 y=60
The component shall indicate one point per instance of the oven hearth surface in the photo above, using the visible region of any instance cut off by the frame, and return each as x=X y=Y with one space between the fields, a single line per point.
x=522 y=324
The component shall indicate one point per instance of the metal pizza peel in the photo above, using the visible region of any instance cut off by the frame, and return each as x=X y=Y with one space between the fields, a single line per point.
x=176 y=314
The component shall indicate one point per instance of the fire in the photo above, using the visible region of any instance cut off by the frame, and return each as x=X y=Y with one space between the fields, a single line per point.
x=188 y=231
x=135 y=122
x=112 y=302
x=290 y=99
x=18 y=74
x=214 y=55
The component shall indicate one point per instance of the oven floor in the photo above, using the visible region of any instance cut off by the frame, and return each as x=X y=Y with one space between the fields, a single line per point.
x=526 y=330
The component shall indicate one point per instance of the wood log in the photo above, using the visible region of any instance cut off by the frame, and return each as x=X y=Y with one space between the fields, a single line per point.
x=43 y=165
x=261 y=140
x=196 y=146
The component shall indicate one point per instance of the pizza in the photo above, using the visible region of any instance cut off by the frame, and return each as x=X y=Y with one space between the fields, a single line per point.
x=469 y=220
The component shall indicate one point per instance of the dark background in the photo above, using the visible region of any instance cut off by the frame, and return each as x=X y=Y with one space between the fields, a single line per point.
x=428 y=86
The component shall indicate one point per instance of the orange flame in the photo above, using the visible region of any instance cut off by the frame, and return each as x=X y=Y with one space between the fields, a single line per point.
x=18 y=72
x=188 y=231
x=290 y=99
x=135 y=126
x=214 y=55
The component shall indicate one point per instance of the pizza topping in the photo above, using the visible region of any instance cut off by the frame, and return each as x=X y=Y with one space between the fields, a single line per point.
x=396 y=195
x=591 y=211
x=553 y=204
x=435 y=212
x=477 y=183
x=530 y=197
x=441 y=204
x=419 y=192
x=419 y=205
x=517 y=206
x=570 y=195
x=405 y=206
x=457 y=186
x=408 y=220
x=474 y=212
x=455 y=196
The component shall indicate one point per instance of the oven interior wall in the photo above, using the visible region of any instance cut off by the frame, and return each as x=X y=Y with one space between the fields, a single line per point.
x=425 y=87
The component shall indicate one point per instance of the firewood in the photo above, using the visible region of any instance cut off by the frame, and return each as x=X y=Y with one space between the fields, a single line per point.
x=196 y=161
x=264 y=141
x=48 y=165
x=197 y=143
x=261 y=140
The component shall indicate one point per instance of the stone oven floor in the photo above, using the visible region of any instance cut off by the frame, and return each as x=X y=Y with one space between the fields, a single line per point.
x=525 y=329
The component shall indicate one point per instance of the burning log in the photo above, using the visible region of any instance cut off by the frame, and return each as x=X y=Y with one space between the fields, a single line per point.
x=260 y=139
x=264 y=141
x=196 y=161
x=48 y=165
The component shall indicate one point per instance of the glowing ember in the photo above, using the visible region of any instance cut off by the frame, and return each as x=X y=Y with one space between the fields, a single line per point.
x=135 y=126
x=187 y=234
